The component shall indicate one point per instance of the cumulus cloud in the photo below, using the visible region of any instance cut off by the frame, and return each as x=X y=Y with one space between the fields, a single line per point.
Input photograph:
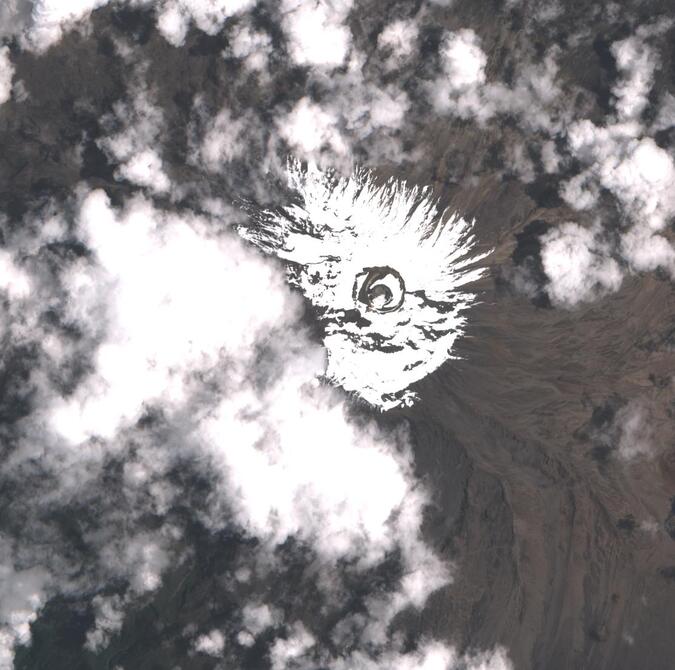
x=73 y=437
x=639 y=174
x=578 y=264
x=297 y=652
x=353 y=115
x=520 y=163
x=633 y=425
x=398 y=40
x=181 y=322
x=6 y=74
x=309 y=128
x=463 y=64
x=22 y=593
x=348 y=117
x=13 y=279
x=549 y=157
x=174 y=16
x=619 y=158
x=109 y=617
x=338 y=522
x=158 y=313
x=647 y=252
x=133 y=138
x=257 y=618
x=212 y=644
x=14 y=17
x=666 y=116
x=286 y=652
x=631 y=432
x=224 y=139
x=634 y=169
x=637 y=62
x=159 y=344
x=50 y=19
x=463 y=90
x=252 y=46
x=463 y=60
x=316 y=31
x=43 y=23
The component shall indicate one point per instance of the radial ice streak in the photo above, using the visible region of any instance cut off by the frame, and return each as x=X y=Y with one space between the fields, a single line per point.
x=385 y=270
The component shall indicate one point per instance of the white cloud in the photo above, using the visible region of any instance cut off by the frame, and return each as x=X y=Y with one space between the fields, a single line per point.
x=308 y=128
x=578 y=265
x=6 y=74
x=643 y=181
x=174 y=311
x=353 y=116
x=114 y=298
x=462 y=59
x=253 y=46
x=297 y=651
x=212 y=643
x=463 y=90
x=520 y=164
x=634 y=169
x=144 y=168
x=142 y=558
x=13 y=280
x=647 y=252
x=43 y=23
x=50 y=19
x=225 y=140
x=580 y=192
x=245 y=639
x=399 y=40
x=637 y=62
x=258 y=618
x=22 y=592
x=19 y=91
x=666 y=116
x=14 y=16
x=161 y=324
x=650 y=526
x=639 y=174
x=173 y=22
x=548 y=11
x=367 y=107
x=293 y=489
x=634 y=431
x=109 y=617
x=431 y=656
x=550 y=157
x=174 y=16
x=621 y=158
x=295 y=646
x=134 y=145
x=316 y=31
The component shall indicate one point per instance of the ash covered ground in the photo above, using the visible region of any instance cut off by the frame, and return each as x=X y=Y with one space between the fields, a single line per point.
x=180 y=487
